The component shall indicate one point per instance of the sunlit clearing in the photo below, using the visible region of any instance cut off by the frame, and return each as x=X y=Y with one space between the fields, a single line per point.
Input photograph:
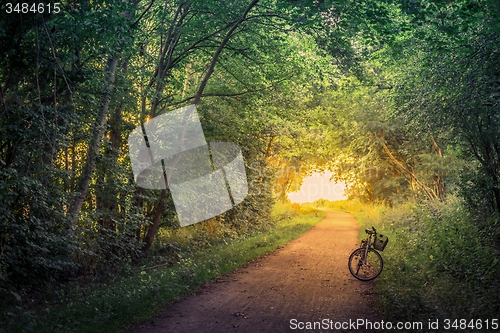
x=318 y=186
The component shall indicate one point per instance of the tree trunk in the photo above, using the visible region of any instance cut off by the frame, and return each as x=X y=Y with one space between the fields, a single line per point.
x=95 y=143
x=427 y=191
x=148 y=241
x=153 y=229
x=93 y=151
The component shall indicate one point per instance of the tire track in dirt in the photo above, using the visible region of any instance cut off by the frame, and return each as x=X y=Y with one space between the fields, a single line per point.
x=307 y=280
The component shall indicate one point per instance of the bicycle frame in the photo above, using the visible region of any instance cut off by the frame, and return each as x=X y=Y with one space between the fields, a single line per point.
x=365 y=263
x=368 y=242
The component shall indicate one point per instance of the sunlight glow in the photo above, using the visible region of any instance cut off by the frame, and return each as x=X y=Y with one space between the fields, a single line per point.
x=318 y=186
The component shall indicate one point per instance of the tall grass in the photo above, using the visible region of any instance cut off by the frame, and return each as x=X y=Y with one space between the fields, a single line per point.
x=441 y=261
x=109 y=307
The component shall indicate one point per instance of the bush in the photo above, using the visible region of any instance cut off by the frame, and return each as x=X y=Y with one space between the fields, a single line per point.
x=441 y=261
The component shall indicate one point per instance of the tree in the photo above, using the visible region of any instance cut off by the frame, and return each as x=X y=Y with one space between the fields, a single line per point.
x=73 y=86
x=379 y=158
x=452 y=89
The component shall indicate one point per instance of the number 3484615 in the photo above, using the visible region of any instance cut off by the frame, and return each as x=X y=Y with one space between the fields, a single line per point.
x=34 y=8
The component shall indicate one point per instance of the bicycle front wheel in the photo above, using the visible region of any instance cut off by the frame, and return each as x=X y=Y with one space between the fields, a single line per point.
x=365 y=270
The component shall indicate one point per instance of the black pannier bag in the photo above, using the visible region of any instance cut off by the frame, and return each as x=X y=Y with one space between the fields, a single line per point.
x=380 y=242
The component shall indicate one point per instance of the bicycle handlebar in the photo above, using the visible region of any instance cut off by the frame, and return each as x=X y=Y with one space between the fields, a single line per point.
x=368 y=231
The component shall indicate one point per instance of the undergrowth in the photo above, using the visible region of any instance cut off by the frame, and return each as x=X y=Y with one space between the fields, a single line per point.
x=139 y=293
x=441 y=262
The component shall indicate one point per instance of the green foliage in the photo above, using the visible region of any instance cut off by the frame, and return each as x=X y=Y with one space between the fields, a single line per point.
x=55 y=83
x=439 y=263
x=108 y=308
x=449 y=84
x=394 y=96
x=376 y=155
x=45 y=64
x=34 y=244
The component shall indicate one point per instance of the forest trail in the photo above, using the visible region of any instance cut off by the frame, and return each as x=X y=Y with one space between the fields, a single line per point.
x=307 y=280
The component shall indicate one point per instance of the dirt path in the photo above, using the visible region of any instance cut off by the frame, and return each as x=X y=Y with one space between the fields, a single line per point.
x=307 y=280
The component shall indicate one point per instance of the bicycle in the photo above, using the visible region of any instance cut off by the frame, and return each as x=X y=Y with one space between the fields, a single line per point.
x=366 y=263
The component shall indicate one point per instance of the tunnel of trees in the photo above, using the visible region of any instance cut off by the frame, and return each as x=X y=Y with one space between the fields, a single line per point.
x=399 y=98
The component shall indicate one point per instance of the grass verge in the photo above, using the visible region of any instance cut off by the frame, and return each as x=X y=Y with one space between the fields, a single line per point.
x=441 y=263
x=110 y=308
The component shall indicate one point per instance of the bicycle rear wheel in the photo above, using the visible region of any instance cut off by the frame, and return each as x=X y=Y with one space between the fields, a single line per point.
x=368 y=271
